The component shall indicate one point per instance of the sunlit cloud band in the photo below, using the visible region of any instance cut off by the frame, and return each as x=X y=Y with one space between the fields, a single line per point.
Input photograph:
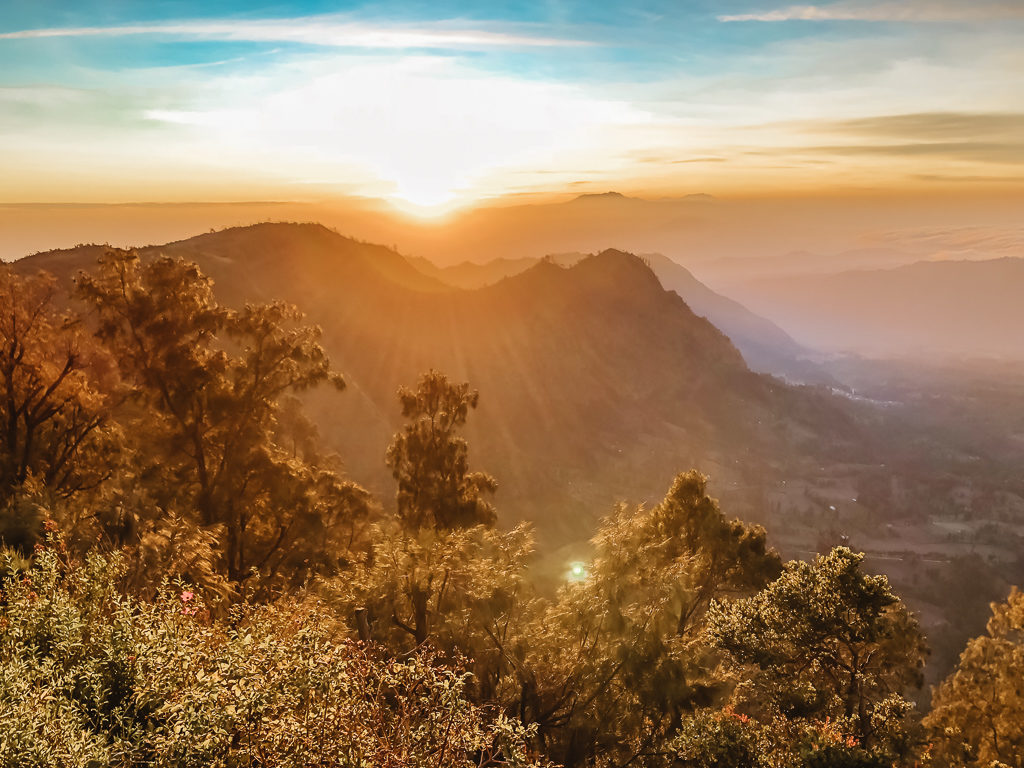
x=881 y=12
x=321 y=31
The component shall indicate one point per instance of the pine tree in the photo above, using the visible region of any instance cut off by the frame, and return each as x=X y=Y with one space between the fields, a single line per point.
x=430 y=462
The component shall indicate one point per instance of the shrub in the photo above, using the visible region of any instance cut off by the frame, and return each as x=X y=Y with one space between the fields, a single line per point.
x=91 y=678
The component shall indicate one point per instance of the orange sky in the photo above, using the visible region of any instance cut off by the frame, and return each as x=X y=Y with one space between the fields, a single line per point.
x=440 y=107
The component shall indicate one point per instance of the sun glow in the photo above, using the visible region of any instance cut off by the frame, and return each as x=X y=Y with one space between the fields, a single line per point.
x=422 y=132
x=429 y=206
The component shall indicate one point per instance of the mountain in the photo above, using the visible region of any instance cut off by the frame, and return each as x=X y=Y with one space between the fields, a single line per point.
x=927 y=309
x=471 y=274
x=798 y=263
x=596 y=383
x=765 y=347
x=722 y=240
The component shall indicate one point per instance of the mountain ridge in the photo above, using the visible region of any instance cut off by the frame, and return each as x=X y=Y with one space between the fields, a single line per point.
x=958 y=308
x=765 y=346
x=596 y=383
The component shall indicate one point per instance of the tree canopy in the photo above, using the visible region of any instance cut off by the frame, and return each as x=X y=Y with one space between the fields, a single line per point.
x=977 y=716
x=56 y=393
x=825 y=640
x=430 y=461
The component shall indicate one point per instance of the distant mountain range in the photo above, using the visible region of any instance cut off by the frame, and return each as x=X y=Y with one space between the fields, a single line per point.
x=721 y=240
x=595 y=382
x=927 y=309
x=764 y=346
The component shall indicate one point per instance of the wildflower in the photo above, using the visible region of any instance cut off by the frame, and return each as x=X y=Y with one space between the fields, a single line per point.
x=187 y=596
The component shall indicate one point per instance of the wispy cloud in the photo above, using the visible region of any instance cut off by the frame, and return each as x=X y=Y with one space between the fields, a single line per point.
x=907 y=10
x=936 y=125
x=971 y=151
x=321 y=31
x=967 y=136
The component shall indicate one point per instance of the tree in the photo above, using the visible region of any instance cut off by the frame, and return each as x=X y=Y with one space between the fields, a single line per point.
x=430 y=463
x=57 y=438
x=449 y=588
x=53 y=410
x=823 y=641
x=977 y=716
x=439 y=571
x=611 y=669
x=211 y=382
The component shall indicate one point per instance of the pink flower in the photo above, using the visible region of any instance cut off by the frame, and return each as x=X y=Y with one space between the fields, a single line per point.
x=187 y=596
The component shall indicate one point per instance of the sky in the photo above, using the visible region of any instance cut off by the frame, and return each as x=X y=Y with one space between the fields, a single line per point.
x=430 y=105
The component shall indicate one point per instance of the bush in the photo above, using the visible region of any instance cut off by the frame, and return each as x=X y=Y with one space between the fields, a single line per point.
x=91 y=678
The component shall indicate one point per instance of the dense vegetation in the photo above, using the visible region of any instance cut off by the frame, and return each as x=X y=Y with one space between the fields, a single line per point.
x=189 y=579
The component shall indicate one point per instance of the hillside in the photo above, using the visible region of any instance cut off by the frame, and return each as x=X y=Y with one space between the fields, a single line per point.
x=471 y=274
x=765 y=347
x=596 y=383
x=927 y=309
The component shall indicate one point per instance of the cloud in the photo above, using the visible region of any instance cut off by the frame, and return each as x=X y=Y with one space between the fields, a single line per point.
x=1010 y=153
x=892 y=11
x=948 y=178
x=315 y=30
x=966 y=136
x=969 y=242
x=699 y=160
x=937 y=126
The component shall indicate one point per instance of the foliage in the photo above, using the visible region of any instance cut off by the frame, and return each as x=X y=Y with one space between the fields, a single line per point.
x=719 y=739
x=726 y=739
x=55 y=425
x=89 y=677
x=611 y=668
x=438 y=569
x=441 y=586
x=977 y=716
x=825 y=640
x=430 y=463
x=211 y=382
